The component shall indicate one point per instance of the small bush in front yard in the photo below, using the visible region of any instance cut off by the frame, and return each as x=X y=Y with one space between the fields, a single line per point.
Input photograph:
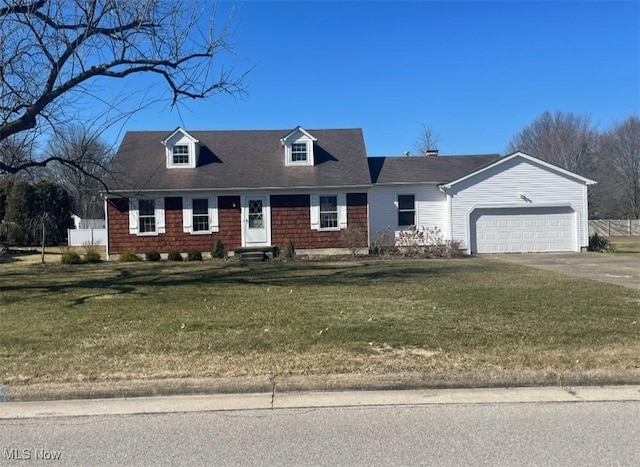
x=288 y=250
x=383 y=243
x=600 y=244
x=353 y=239
x=92 y=256
x=152 y=256
x=194 y=255
x=218 y=250
x=454 y=249
x=129 y=256
x=71 y=257
x=174 y=256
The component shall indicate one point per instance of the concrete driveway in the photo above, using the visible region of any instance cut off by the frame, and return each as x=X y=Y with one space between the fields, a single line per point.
x=619 y=269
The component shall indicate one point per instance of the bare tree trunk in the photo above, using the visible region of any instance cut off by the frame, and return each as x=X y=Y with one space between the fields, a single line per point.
x=43 y=238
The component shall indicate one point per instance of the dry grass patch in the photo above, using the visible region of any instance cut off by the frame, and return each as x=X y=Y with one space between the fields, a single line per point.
x=110 y=321
x=626 y=244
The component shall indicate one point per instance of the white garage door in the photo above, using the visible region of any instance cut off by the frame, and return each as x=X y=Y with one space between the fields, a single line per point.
x=511 y=230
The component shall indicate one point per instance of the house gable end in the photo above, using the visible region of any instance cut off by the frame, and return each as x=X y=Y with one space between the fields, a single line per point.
x=506 y=162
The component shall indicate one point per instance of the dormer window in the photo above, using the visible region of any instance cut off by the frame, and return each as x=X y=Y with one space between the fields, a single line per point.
x=180 y=154
x=298 y=147
x=298 y=152
x=182 y=150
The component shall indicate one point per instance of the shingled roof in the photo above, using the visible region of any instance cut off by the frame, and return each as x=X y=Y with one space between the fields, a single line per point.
x=435 y=169
x=244 y=159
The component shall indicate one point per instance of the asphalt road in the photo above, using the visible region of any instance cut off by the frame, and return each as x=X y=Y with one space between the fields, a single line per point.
x=569 y=433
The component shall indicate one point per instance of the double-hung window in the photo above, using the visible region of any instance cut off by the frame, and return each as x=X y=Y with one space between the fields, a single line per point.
x=147 y=215
x=200 y=215
x=329 y=212
x=180 y=154
x=406 y=210
x=299 y=152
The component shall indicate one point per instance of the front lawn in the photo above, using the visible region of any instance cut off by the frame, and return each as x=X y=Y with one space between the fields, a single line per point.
x=110 y=321
x=626 y=244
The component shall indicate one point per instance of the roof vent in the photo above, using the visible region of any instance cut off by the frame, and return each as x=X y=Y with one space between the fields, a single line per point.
x=431 y=152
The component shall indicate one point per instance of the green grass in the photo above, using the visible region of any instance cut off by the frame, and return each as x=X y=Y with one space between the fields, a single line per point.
x=111 y=321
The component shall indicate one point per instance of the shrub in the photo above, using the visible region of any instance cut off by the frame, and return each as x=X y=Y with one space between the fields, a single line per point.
x=600 y=244
x=152 y=256
x=288 y=250
x=71 y=257
x=174 y=256
x=92 y=256
x=194 y=255
x=352 y=238
x=382 y=243
x=129 y=256
x=454 y=249
x=218 y=250
x=411 y=242
x=427 y=242
x=91 y=247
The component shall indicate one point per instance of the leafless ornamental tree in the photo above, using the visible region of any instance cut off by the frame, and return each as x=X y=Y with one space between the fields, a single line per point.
x=567 y=140
x=621 y=152
x=427 y=142
x=54 y=55
x=89 y=157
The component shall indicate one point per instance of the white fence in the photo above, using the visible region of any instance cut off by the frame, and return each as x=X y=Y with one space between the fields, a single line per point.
x=615 y=227
x=79 y=237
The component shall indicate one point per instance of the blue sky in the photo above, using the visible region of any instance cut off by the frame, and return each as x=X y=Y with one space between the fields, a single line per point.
x=477 y=72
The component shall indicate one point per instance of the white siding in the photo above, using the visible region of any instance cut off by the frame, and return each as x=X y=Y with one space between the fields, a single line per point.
x=431 y=207
x=516 y=183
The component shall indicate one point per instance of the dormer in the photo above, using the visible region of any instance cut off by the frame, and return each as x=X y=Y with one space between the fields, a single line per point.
x=182 y=150
x=298 y=148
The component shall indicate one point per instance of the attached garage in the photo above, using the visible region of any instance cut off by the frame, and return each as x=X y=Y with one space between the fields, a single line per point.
x=523 y=229
x=485 y=203
x=519 y=204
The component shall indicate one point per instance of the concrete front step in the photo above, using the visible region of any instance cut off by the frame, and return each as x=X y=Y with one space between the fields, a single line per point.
x=255 y=254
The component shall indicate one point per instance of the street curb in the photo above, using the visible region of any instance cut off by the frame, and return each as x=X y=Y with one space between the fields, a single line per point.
x=311 y=383
x=316 y=400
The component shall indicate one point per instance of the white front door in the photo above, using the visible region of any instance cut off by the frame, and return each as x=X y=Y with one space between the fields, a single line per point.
x=255 y=220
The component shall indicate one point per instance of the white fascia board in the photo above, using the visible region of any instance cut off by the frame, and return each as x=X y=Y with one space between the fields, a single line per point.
x=406 y=183
x=119 y=193
x=301 y=130
x=183 y=132
x=534 y=160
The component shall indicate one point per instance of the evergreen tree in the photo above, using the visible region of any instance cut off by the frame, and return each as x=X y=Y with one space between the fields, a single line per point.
x=28 y=206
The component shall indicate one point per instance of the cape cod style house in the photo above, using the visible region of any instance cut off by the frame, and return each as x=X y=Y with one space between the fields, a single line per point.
x=317 y=188
x=252 y=189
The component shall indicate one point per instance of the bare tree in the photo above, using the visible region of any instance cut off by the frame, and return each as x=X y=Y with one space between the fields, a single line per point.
x=17 y=150
x=564 y=139
x=53 y=54
x=88 y=157
x=605 y=198
x=620 y=152
x=427 y=142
